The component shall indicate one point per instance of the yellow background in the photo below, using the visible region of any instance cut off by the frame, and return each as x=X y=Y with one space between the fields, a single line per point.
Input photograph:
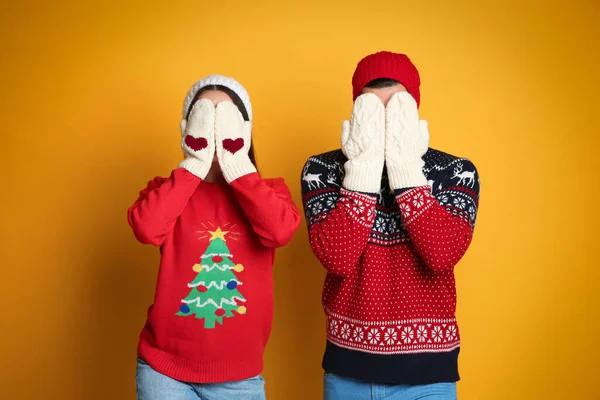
x=90 y=100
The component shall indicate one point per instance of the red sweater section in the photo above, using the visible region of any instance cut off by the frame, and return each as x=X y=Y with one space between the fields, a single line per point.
x=213 y=306
x=390 y=287
x=391 y=299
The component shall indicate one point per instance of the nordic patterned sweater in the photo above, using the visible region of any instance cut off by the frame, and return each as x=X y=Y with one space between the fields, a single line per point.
x=389 y=295
x=213 y=306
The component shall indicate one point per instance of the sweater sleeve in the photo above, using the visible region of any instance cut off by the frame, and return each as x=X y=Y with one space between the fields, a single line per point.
x=269 y=207
x=154 y=214
x=441 y=226
x=339 y=221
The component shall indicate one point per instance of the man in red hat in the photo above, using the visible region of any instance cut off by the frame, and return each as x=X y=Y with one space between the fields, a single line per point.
x=389 y=218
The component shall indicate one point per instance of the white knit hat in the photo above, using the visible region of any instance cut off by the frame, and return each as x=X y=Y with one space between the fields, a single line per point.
x=228 y=82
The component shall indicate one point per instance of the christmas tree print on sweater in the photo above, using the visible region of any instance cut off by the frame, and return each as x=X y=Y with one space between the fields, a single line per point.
x=214 y=292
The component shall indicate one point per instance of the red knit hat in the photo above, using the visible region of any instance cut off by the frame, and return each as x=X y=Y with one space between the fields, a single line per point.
x=389 y=65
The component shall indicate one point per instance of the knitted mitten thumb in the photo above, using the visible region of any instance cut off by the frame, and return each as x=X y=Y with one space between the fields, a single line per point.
x=363 y=144
x=233 y=138
x=198 y=138
x=406 y=142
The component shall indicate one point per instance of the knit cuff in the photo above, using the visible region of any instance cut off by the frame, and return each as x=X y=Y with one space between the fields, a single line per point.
x=196 y=167
x=363 y=177
x=238 y=169
x=402 y=176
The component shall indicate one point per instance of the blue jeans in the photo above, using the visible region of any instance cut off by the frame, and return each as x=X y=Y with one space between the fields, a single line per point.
x=341 y=388
x=152 y=385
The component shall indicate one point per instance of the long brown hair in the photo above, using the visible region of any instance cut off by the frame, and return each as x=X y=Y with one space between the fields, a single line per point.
x=238 y=103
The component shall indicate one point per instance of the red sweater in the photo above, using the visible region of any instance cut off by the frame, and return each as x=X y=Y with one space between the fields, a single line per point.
x=213 y=306
x=389 y=295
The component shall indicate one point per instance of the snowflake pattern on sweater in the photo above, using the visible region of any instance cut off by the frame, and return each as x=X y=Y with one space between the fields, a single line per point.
x=390 y=286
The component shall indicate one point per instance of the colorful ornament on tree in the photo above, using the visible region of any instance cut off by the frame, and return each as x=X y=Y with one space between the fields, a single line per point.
x=241 y=310
x=197 y=268
x=217 y=259
x=220 y=312
x=238 y=268
x=202 y=288
x=232 y=285
x=184 y=308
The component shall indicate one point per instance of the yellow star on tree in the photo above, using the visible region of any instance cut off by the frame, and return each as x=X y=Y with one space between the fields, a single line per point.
x=218 y=234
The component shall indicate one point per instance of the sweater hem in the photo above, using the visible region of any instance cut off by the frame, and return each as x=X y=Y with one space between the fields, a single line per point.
x=401 y=369
x=194 y=371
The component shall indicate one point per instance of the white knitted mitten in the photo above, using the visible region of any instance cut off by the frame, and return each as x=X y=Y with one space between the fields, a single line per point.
x=198 y=138
x=406 y=142
x=363 y=139
x=233 y=137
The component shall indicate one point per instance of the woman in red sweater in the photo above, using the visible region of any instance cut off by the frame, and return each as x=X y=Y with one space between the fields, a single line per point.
x=217 y=223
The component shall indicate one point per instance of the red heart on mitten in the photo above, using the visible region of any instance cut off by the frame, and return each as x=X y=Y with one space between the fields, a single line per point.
x=233 y=146
x=196 y=144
